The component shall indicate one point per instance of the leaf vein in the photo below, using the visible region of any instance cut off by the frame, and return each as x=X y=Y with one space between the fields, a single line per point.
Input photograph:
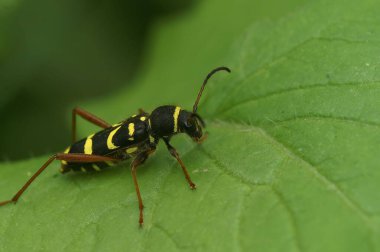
x=291 y=216
x=223 y=169
x=251 y=185
x=327 y=117
x=156 y=199
x=331 y=185
x=299 y=88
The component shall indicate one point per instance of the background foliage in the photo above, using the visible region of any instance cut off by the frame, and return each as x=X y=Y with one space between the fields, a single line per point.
x=292 y=160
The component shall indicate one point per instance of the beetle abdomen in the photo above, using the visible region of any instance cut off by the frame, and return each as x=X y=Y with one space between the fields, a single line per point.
x=121 y=141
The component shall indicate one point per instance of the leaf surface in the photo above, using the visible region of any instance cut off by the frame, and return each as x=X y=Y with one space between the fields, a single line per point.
x=291 y=162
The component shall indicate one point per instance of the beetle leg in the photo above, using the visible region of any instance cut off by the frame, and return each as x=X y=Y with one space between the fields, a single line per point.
x=175 y=154
x=70 y=157
x=140 y=159
x=87 y=116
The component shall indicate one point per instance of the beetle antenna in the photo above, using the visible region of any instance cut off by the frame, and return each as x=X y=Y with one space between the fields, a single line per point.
x=195 y=107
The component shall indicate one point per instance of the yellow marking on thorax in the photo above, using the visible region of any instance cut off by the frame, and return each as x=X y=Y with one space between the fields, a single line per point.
x=175 y=117
x=66 y=151
x=131 y=150
x=131 y=129
x=110 y=144
x=88 y=145
x=143 y=118
x=131 y=139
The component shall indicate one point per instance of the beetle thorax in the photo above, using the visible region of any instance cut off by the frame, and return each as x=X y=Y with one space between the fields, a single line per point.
x=165 y=120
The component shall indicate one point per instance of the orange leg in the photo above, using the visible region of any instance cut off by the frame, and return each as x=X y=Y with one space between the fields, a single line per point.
x=140 y=159
x=70 y=157
x=174 y=153
x=87 y=116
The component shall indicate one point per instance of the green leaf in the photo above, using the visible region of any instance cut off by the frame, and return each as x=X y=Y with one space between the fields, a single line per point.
x=291 y=162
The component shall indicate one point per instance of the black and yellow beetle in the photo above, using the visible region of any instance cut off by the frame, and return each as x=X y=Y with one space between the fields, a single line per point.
x=136 y=137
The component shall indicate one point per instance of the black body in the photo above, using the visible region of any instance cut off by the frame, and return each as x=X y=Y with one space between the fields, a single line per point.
x=127 y=141
x=135 y=137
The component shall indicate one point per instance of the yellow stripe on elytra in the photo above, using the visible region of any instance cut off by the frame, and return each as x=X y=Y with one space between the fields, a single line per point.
x=110 y=144
x=83 y=169
x=175 y=116
x=131 y=150
x=131 y=129
x=88 y=145
x=66 y=151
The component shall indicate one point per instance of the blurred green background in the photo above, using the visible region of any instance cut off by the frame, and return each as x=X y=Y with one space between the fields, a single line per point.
x=55 y=55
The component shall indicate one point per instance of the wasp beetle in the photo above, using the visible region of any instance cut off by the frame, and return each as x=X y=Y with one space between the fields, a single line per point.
x=136 y=137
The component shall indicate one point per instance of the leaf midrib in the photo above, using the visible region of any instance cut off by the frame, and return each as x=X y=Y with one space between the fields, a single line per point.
x=300 y=88
x=364 y=216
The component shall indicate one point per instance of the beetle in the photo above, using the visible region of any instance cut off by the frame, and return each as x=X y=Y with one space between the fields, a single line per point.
x=135 y=137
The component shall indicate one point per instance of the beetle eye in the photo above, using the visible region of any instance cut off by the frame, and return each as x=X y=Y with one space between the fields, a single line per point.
x=188 y=123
